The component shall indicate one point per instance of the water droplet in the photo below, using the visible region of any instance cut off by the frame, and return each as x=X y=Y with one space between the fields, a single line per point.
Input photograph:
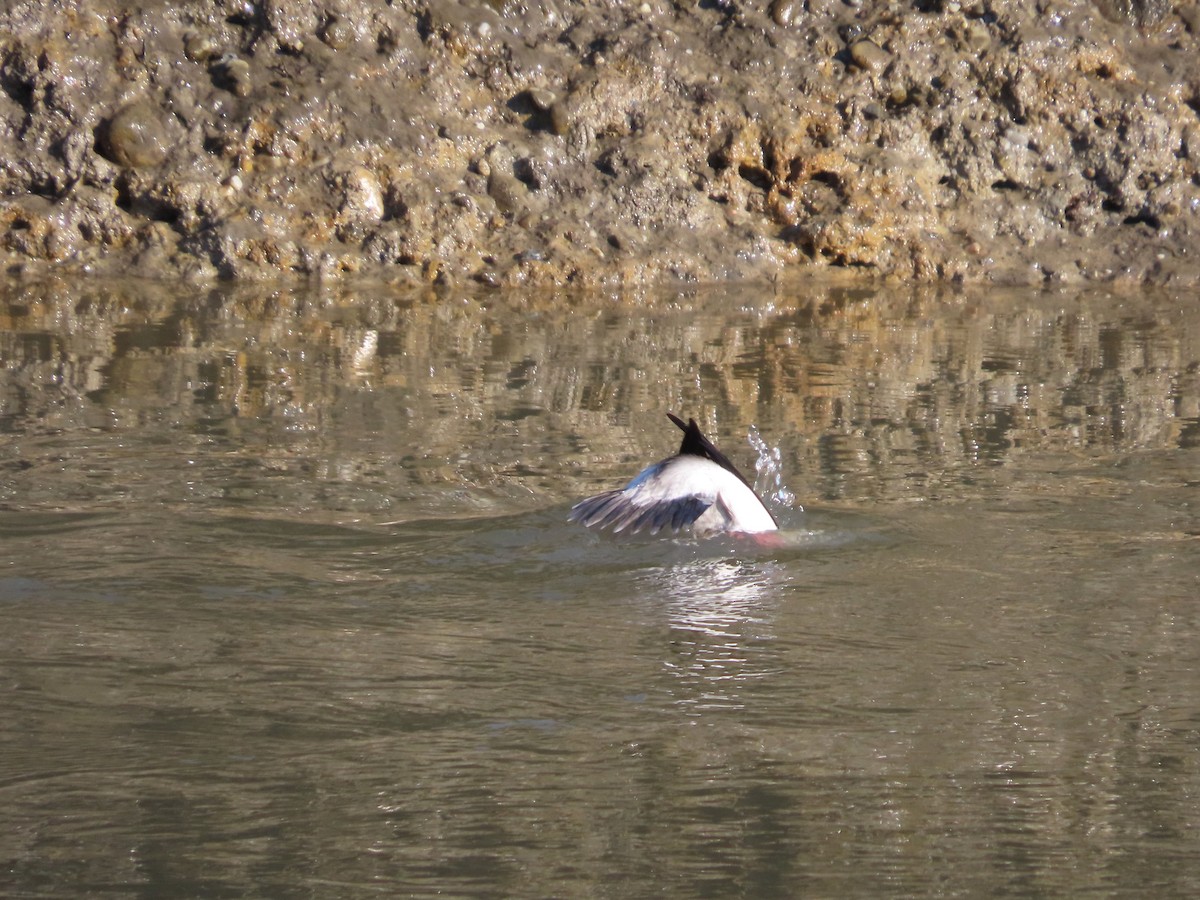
x=769 y=469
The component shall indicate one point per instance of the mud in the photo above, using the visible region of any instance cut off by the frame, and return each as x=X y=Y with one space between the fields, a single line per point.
x=511 y=143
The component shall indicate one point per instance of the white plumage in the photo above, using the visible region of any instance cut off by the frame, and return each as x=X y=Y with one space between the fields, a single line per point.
x=699 y=487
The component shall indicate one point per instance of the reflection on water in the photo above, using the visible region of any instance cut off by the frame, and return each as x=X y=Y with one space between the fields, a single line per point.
x=385 y=401
x=290 y=606
x=720 y=612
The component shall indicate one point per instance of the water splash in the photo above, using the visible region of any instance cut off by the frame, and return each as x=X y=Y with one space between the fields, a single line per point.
x=769 y=469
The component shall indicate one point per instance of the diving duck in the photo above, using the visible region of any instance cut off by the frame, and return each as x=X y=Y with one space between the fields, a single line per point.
x=698 y=486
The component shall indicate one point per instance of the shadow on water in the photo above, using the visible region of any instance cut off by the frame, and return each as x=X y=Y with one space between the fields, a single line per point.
x=290 y=599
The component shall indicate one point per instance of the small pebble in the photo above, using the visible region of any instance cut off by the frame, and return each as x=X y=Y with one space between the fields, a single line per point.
x=783 y=11
x=507 y=191
x=235 y=73
x=199 y=48
x=542 y=99
x=560 y=119
x=850 y=32
x=337 y=34
x=362 y=196
x=135 y=137
x=480 y=166
x=869 y=56
x=975 y=35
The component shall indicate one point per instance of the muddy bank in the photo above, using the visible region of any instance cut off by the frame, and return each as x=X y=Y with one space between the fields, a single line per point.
x=508 y=143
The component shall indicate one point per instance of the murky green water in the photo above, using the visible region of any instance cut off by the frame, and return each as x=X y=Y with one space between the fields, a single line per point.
x=290 y=608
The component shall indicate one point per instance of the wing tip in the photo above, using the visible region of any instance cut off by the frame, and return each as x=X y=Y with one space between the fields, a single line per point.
x=615 y=511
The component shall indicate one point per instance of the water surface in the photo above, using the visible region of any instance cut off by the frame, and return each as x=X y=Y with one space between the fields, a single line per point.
x=291 y=609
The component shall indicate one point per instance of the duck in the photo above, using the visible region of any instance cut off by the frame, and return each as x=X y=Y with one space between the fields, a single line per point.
x=697 y=487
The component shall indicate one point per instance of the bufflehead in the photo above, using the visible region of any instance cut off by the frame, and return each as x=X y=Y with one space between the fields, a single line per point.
x=698 y=486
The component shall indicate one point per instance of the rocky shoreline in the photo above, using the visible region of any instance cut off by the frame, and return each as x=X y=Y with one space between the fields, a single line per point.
x=509 y=144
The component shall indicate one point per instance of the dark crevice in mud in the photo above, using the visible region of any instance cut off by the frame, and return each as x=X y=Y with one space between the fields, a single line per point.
x=425 y=27
x=826 y=177
x=1012 y=103
x=145 y=207
x=19 y=90
x=841 y=261
x=1143 y=219
x=757 y=177
x=47 y=189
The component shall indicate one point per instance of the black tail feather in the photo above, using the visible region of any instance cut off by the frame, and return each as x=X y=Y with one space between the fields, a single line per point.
x=696 y=444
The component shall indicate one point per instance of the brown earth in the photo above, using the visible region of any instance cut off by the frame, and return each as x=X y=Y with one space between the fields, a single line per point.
x=511 y=143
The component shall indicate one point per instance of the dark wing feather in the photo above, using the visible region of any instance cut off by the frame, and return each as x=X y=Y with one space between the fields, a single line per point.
x=613 y=509
x=688 y=511
x=596 y=509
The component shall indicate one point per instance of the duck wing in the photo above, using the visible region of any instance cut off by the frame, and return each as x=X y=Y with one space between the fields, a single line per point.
x=621 y=510
x=643 y=504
